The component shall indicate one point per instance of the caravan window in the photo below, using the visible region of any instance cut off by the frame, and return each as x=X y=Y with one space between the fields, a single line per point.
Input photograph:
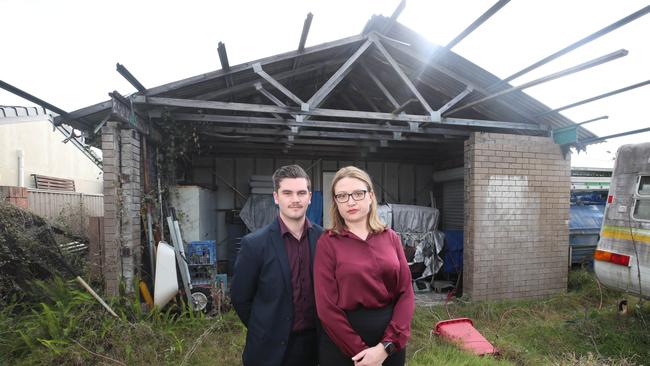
x=641 y=210
x=642 y=202
x=644 y=185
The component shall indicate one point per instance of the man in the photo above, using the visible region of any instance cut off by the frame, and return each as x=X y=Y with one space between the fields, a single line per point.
x=272 y=287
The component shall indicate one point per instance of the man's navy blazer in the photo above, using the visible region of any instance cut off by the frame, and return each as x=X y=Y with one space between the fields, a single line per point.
x=261 y=293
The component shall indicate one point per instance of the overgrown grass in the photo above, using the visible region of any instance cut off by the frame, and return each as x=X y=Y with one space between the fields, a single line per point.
x=69 y=328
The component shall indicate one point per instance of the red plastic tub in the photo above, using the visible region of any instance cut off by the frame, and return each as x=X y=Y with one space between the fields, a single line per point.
x=462 y=331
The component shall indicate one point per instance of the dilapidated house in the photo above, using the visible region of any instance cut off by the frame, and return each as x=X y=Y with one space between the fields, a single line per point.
x=428 y=125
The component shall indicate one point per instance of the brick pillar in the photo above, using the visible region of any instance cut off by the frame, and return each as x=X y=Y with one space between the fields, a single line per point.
x=17 y=196
x=516 y=217
x=122 y=194
x=131 y=193
x=112 y=263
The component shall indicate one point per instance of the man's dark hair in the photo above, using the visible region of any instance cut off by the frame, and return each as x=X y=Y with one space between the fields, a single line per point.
x=289 y=171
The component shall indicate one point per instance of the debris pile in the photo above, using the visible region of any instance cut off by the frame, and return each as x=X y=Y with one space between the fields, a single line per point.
x=29 y=250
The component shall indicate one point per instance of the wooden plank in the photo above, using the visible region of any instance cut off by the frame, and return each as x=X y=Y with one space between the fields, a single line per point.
x=53 y=183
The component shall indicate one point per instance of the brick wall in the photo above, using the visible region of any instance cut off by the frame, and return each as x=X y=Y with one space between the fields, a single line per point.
x=516 y=217
x=17 y=196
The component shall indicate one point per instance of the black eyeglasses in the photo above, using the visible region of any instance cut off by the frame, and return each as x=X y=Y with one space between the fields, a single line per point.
x=345 y=197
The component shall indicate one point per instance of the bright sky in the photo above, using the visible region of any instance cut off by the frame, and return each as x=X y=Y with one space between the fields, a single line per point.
x=65 y=51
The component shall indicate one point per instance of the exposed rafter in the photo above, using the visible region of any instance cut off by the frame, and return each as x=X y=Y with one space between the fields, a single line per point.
x=305 y=32
x=477 y=23
x=586 y=65
x=263 y=108
x=129 y=77
x=259 y=71
x=433 y=115
x=573 y=46
x=598 y=97
x=373 y=136
x=379 y=127
x=317 y=99
x=245 y=66
x=380 y=85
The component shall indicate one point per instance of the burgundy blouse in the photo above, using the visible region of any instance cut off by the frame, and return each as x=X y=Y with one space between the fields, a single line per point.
x=349 y=273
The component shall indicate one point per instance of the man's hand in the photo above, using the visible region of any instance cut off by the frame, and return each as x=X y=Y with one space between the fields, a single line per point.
x=373 y=356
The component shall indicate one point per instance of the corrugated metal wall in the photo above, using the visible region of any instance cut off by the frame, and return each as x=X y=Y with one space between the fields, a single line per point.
x=68 y=208
x=394 y=182
x=453 y=198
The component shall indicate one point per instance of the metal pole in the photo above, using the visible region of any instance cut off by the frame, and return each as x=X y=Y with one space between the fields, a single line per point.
x=586 y=65
x=579 y=43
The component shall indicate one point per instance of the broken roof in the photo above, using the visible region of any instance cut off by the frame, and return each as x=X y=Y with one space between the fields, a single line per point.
x=387 y=92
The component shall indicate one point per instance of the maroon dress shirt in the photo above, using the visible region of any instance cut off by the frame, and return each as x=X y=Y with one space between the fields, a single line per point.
x=299 y=254
x=350 y=273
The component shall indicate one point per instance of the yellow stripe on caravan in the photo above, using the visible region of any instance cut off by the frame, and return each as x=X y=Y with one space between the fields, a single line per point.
x=624 y=233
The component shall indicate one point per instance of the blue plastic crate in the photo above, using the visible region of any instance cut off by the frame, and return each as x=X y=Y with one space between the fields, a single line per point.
x=202 y=252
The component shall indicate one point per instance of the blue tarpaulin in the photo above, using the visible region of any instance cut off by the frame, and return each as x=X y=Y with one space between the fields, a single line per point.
x=587 y=217
x=584 y=231
x=315 y=210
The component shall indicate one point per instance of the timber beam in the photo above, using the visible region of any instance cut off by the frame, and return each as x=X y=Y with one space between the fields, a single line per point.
x=129 y=77
x=122 y=110
x=264 y=108
x=223 y=130
x=380 y=127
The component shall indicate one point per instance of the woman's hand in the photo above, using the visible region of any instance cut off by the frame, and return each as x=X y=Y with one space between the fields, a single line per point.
x=373 y=356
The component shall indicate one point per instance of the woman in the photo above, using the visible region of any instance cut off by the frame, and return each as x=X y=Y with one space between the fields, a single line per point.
x=362 y=282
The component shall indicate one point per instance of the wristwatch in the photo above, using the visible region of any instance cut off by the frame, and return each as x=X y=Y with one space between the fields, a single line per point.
x=389 y=347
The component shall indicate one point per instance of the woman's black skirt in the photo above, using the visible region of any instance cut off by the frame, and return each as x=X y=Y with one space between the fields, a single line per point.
x=370 y=324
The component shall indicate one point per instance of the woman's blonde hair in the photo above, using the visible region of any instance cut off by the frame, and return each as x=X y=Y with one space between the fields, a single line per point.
x=337 y=223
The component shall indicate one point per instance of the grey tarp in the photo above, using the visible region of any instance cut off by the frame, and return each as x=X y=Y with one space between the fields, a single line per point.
x=416 y=226
x=258 y=211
